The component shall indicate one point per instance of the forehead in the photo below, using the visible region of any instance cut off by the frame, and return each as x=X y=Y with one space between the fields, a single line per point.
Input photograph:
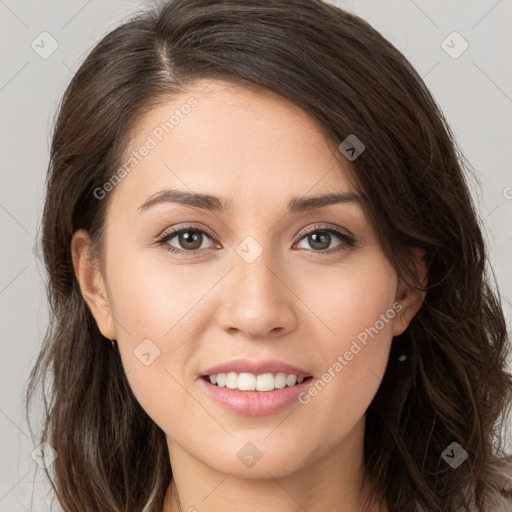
x=244 y=144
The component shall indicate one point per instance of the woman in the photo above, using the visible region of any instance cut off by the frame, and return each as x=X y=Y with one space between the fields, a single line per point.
x=267 y=277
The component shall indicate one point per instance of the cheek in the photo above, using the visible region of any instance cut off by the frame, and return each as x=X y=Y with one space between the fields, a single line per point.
x=161 y=309
x=153 y=297
x=350 y=299
x=356 y=307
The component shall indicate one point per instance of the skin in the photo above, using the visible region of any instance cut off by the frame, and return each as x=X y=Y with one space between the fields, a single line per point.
x=296 y=303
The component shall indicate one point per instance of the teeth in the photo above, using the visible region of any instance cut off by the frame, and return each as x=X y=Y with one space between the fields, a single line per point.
x=251 y=382
x=292 y=379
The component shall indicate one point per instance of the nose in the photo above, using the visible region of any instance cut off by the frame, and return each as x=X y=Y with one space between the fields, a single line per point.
x=259 y=302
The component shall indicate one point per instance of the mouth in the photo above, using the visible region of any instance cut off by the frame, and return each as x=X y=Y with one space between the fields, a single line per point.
x=264 y=382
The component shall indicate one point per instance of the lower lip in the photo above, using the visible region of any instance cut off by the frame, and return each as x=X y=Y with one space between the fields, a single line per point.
x=255 y=403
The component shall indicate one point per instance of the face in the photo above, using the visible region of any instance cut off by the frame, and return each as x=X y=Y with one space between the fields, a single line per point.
x=256 y=277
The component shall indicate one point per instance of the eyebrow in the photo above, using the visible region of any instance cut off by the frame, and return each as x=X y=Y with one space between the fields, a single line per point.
x=213 y=203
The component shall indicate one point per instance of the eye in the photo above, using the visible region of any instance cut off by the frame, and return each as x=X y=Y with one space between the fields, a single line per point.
x=321 y=237
x=188 y=239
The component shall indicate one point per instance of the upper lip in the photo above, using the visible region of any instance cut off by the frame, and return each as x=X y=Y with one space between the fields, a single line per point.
x=255 y=367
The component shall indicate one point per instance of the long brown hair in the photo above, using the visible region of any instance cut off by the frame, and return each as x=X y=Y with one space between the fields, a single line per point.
x=452 y=387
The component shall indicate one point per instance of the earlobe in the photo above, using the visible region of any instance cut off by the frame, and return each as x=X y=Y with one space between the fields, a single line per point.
x=92 y=283
x=409 y=298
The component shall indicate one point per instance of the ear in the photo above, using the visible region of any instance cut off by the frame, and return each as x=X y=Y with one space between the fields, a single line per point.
x=409 y=298
x=92 y=283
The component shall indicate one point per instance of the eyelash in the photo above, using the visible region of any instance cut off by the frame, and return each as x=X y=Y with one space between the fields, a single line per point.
x=347 y=240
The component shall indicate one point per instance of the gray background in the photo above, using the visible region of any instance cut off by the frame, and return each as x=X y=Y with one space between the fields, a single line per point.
x=474 y=90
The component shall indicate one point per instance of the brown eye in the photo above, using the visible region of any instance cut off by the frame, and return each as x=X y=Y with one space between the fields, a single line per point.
x=186 y=240
x=189 y=240
x=320 y=240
